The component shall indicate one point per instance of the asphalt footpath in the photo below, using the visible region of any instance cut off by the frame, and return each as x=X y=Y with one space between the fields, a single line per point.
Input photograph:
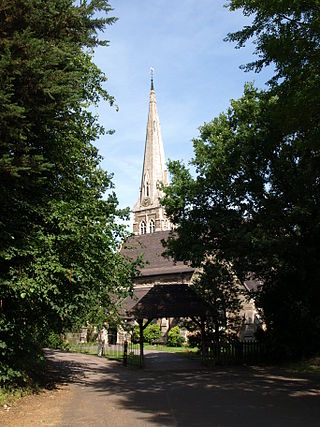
x=170 y=391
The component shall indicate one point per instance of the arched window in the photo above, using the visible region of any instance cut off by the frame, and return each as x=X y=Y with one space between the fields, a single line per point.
x=152 y=226
x=146 y=185
x=143 y=227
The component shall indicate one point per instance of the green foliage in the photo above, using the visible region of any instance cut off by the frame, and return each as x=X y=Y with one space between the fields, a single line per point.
x=135 y=336
x=55 y=341
x=311 y=366
x=254 y=202
x=174 y=338
x=194 y=340
x=287 y=35
x=8 y=395
x=151 y=333
x=217 y=285
x=59 y=216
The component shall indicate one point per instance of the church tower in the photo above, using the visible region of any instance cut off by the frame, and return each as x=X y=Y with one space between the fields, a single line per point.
x=149 y=216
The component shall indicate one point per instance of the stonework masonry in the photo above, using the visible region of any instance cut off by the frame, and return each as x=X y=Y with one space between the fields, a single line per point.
x=151 y=226
x=149 y=216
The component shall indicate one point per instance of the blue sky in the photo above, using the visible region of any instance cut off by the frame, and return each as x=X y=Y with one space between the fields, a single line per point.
x=196 y=75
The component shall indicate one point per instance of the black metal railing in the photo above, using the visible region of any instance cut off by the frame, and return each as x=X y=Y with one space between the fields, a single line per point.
x=228 y=353
x=127 y=353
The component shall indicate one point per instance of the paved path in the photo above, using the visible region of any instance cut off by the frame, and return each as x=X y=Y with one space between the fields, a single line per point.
x=169 y=362
x=96 y=392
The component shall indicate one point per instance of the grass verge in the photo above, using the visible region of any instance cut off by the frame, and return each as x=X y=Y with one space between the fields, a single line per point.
x=310 y=366
x=7 y=396
x=189 y=352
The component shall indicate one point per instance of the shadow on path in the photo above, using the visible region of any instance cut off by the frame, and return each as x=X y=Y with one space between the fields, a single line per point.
x=169 y=362
x=252 y=396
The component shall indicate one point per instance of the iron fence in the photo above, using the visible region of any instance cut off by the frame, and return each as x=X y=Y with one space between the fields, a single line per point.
x=228 y=353
x=127 y=353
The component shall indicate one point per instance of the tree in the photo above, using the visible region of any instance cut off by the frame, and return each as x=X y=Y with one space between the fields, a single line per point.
x=59 y=228
x=287 y=36
x=253 y=204
x=212 y=209
x=254 y=201
x=217 y=284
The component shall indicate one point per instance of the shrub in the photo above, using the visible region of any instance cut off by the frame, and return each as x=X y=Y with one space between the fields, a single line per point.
x=194 y=340
x=151 y=333
x=55 y=341
x=135 y=336
x=174 y=338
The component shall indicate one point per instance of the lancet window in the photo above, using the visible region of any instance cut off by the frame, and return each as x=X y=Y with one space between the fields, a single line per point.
x=143 y=227
x=146 y=186
x=152 y=226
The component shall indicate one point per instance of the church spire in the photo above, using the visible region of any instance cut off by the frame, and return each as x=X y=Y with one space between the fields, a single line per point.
x=154 y=165
x=152 y=72
x=149 y=215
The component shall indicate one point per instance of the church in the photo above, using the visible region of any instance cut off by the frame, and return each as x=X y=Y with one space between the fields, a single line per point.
x=150 y=224
x=150 y=227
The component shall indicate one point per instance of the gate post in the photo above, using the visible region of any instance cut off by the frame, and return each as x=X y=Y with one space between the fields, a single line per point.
x=141 y=364
x=125 y=353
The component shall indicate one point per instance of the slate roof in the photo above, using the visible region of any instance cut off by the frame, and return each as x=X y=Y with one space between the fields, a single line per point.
x=174 y=300
x=129 y=302
x=150 y=246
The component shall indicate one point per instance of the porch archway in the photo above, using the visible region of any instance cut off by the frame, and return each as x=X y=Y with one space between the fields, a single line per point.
x=170 y=301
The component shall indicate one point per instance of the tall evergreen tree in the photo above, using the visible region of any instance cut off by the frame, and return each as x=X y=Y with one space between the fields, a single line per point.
x=59 y=233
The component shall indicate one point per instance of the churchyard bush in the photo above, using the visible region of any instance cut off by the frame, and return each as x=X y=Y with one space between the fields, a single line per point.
x=194 y=340
x=151 y=334
x=174 y=338
x=55 y=341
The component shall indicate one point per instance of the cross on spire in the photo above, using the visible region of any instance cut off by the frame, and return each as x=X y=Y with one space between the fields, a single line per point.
x=152 y=73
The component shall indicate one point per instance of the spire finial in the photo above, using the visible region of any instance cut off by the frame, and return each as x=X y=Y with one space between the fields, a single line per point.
x=152 y=73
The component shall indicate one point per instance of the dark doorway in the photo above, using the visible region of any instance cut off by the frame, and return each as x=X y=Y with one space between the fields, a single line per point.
x=112 y=336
